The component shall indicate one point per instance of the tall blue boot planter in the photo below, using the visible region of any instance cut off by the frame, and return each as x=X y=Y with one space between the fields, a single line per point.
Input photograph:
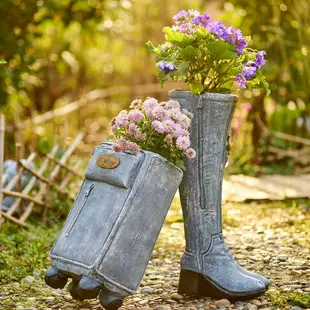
x=108 y=237
x=207 y=266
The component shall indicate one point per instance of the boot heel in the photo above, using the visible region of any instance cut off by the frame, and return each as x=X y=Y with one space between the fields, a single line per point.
x=189 y=283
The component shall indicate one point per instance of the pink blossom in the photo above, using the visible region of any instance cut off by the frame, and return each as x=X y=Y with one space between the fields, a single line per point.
x=150 y=103
x=169 y=125
x=158 y=112
x=190 y=153
x=114 y=128
x=121 y=120
x=117 y=148
x=185 y=121
x=136 y=103
x=177 y=130
x=187 y=113
x=132 y=129
x=158 y=126
x=172 y=104
x=176 y=115
x=135 y=115
x=247 y=106
x=168 y=139
x=183 y=142
x=167 y=115
x=132 y=146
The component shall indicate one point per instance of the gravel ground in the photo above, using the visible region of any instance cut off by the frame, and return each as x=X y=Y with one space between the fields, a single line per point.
x=271 y=238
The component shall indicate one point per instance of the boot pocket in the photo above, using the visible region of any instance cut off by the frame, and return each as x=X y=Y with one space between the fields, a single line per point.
x=119 y=169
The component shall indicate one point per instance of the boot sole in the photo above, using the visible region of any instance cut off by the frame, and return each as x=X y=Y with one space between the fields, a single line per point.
x=194 y=284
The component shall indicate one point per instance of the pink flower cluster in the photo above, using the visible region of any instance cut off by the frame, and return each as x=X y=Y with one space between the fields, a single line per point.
x=163 y=125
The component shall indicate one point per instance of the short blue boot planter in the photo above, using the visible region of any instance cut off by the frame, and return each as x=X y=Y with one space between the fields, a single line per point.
x=109 y=235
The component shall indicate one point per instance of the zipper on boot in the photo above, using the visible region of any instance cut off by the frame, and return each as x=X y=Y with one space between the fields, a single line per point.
x=87 y=193
x=200 y=153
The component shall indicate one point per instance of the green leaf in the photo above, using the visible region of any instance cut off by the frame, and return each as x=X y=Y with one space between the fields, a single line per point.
x=2 y=62
x=196 y=88
x=177 y=37
x=180 y=163
x=153 y=49
x=109 y=138
x=221 y=50
x=189 y=52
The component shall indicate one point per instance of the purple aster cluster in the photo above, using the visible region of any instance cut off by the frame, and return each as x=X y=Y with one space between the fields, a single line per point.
x=250 y=69
x=166 y=66
x=166 y=122
x=187 y=22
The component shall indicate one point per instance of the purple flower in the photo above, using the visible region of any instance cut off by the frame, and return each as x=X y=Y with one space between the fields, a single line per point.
x=249 y=70
x=193 y=13
x=183 y=142
x=240 y=79
x=190 y=153
x=202 y=20
x=236 y=37
x=166 y=67
x=180 y=17
x=135 y=115
x=219 y=29
x=184 y=28
x=158 y=126
x=260 y=60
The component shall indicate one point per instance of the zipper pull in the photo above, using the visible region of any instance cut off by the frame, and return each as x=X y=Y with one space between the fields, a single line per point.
x=89 y=190
x=200 y=102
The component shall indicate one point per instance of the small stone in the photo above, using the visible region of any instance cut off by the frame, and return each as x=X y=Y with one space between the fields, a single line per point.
x=163 y=308
x=28 y=280
x=177 y=296
x=50 y=300
x=251 y=307
x=296 y=308
x=147 y=290
x=143 y=302
x=267 y=259
x=282 y=257
x=67 y=297
x=222 y=303
x=256 y=302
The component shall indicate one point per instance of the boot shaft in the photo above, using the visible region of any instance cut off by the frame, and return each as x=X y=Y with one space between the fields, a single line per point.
x=201 y=187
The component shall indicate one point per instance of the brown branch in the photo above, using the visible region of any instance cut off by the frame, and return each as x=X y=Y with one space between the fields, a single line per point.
x=73 y=171
x=22 y=196
x=32 y=181
x=13 y=219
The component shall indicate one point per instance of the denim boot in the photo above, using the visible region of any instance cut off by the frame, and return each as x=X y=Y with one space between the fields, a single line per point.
x=207 y=266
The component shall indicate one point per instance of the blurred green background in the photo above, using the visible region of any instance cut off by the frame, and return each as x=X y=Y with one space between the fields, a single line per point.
x=56 y=51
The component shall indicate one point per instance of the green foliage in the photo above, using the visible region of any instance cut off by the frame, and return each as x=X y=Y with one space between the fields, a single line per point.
x=63 y=48
x=282 y=299
x=24 y=251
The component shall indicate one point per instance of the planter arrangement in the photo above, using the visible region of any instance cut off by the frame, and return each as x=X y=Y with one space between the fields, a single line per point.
x=109 y=235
